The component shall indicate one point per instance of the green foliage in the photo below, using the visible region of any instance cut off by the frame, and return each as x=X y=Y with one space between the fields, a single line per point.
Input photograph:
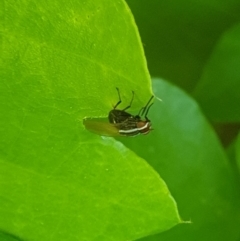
x=219 y=86
x=61 y=61
x=195 y=45
x=238 y=151
x=186 y=152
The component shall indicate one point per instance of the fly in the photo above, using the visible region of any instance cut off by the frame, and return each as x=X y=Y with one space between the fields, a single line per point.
x=122 y=123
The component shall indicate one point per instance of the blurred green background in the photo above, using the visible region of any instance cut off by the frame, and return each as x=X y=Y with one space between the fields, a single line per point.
x=196 y=46
x=179 y=36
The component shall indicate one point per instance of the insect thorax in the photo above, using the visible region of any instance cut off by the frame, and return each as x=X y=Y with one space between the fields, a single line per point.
x=118 y=116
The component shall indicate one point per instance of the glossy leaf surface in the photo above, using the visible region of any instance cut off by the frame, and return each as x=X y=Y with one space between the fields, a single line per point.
x=62 y=61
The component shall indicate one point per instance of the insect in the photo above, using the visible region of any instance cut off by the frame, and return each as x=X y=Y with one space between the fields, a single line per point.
x=122 y=123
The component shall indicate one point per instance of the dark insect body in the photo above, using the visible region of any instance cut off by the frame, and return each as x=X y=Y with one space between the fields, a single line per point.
x=128 y=124
x=122 y=123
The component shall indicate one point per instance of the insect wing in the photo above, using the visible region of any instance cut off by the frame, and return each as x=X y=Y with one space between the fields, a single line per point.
x=100 y=127
x=121 y=123
x=118 y=116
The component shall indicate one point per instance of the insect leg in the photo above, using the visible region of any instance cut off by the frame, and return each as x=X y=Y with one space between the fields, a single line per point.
x=130 y=102
x=119 y=102
x=147 y=107
x=139 y=113
x=147 y=112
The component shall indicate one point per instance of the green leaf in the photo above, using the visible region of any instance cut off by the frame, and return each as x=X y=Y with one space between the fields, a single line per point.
x=7 y=237
x=183 y=148
x=218 y=89
x=61 y=62
x=237 y=146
